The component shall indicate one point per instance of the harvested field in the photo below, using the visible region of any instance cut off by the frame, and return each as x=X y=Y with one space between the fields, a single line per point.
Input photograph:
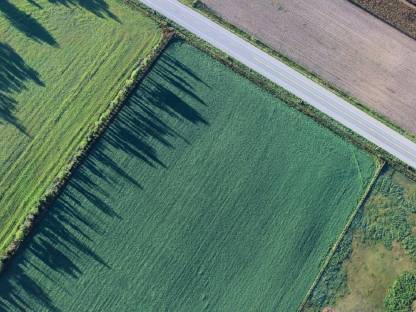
x=191 y=201
x=61 y=64
x=399 y=13
x=341 y=43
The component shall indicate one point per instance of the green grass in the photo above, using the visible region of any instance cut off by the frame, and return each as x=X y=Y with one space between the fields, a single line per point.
x=61 y=64
x=205 y=193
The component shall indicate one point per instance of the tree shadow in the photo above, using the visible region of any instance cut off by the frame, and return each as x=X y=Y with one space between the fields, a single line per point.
x=65 y=232
x=29 y=26
x=98 y=7
x=14 y=74
x=26 y=23
x=34 y=3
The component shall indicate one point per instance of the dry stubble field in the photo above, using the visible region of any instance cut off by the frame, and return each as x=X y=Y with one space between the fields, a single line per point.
x=341 y=43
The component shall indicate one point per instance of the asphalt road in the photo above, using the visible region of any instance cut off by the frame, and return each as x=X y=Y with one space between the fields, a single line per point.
x=283 y=75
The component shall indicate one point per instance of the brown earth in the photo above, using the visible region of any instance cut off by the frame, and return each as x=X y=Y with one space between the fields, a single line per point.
x=399 y=13
x=341 y=43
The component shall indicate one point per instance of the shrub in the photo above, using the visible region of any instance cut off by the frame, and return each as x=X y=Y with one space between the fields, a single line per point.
x=401 y=294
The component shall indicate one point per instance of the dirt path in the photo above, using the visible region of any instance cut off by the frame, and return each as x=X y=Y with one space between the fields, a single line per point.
x=342 y=44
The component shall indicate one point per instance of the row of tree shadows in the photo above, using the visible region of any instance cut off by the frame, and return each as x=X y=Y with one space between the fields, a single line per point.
x=33 y=29
x=14 y=72
x=60 y=236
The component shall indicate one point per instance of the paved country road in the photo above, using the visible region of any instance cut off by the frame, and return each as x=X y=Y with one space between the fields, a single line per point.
x=283 y=75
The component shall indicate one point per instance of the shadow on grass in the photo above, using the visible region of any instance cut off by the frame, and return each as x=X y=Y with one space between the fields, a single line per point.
x=14 y=74
x=25 y=23
x=50 y=257
x=98 y=7
x=33 y=29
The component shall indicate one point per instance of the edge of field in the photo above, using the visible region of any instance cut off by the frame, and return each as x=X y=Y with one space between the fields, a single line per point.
x=138 y=73
x=365 y=196
x=199 y=6
x=385 y=19
x=277 y=90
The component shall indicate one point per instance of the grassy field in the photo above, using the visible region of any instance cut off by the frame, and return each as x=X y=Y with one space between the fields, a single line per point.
x=379 y=248
x=61 y=63
x=206 y=193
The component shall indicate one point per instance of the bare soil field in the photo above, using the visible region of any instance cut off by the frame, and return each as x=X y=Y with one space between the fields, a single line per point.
x=341 y=43
x=399 y=13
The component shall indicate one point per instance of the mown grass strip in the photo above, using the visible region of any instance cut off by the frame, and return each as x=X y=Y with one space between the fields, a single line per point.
x=51 y=105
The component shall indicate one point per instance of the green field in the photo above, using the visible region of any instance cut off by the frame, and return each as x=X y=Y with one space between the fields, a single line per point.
x=206 y=193
x=61 y=63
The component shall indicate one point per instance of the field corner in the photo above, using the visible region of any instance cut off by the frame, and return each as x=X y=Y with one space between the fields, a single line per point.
x=380 y=165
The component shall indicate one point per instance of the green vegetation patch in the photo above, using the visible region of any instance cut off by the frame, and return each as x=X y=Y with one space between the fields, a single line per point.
x=61 y=64
x=205 y=193
x=376 y=251
x=402 y=294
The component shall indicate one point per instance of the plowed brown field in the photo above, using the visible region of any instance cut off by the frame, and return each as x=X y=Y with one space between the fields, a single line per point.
x=341 y=43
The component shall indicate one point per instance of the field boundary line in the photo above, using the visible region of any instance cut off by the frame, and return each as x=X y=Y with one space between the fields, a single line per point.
x=138 y=73
x=399 y=28
x=202 y=8
x=380 y=166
